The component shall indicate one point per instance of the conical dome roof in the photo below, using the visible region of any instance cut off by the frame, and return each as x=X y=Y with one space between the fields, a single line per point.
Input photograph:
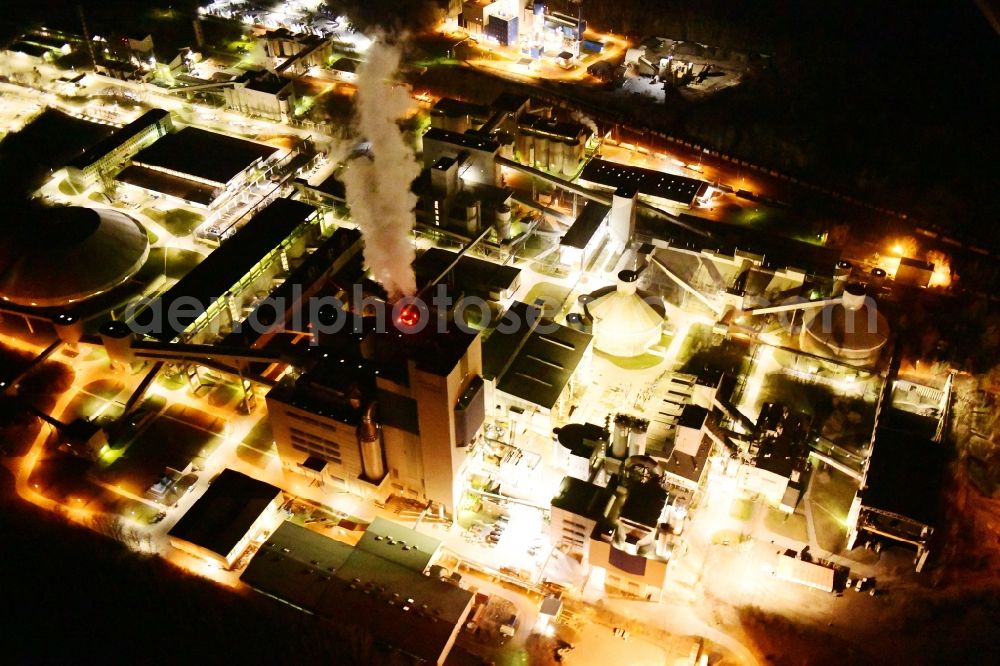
x=853 y=329
x=56 y=256
x=624 y=323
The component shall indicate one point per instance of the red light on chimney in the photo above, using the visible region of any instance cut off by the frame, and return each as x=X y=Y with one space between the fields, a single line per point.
x=409 y=316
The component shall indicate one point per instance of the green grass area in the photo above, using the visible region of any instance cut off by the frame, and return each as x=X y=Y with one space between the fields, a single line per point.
x=830 y=498
x=790 y=526
x=99 y=197
x=167 y=442
x=67 y=188
x=94 y=399
x=551 y=295
x=643 y=362
x=170 y=381
x=178 y=261
x=177 y=221
x=741 y=509
x=260 y=437
x=253 y=457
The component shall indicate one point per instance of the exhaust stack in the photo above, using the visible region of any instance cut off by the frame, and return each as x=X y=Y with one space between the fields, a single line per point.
x=370 y=442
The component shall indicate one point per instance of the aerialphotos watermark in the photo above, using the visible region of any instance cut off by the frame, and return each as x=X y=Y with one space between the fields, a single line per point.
x=329 y=315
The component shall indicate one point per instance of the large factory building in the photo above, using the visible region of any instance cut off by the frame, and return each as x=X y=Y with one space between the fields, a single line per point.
x=384 y=413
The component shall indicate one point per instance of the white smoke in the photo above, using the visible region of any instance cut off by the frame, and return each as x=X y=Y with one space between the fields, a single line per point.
x=378 y=187
x=586 y=121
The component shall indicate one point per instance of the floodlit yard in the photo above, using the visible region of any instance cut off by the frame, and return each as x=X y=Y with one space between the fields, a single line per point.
x=830 y=499
x=174 y=440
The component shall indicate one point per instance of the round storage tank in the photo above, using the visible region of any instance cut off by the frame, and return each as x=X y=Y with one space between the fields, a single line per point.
x=852 y=330
x=69 y=327
x=117 y=337
x=58 y=256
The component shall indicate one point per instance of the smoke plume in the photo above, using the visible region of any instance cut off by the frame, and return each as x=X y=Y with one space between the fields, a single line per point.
x=586 y=121
x=378 y=187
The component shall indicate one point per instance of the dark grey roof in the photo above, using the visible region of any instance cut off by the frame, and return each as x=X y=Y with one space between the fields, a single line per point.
x=916 y=263
x=545 y=361
x=469 y=274
x=693 y=416
x=167 y=183
x=510 y=102
x=580 y=438
x=399 y=544
x=507 y=337
x=470 y=141
x=349 y=65
x=905 y=475
x=209 y=155
x=265 y=82
x=226 y=512
x=60 y=255
x=343 y=244
x=644 y=504
x=582 y=498
x=453 y=108
x=783 y=454
x=210 y=279
x=586 y=224
x=652 y=183
x=396 y=604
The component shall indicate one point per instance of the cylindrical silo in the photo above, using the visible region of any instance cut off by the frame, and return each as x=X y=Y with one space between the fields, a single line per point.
x=619 y=439
x=637 y=437
x=117 y=337
x=503 y=223
x=556 y=149
x=69 y=327
x=878 y=280
x=840 y=275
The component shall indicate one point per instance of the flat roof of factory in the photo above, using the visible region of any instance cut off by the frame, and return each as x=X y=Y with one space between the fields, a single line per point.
x=532 y=357
x=453 y=108
x=583 y=498
x=586 y=224
x=226 y=512
x=218 y=272
x=470 y=141
x=681 y=189
x=470 y=273
x=905 y=475
x=362 y=586
x=117 y=138
x=644 y=504
x=167 y=183
x=208 y=155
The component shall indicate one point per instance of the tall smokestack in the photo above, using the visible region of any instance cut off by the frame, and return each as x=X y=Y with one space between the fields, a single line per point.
x=86 y=37
x=378 y=188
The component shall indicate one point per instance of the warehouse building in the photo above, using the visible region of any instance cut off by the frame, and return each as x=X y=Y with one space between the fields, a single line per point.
x=529 y=362
x=106 y=156
x=656 y=187
x=218 y=293
x=385 y=412
x=175 y=165
x=378 y=586
x=235 y=510
x=898 y=499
